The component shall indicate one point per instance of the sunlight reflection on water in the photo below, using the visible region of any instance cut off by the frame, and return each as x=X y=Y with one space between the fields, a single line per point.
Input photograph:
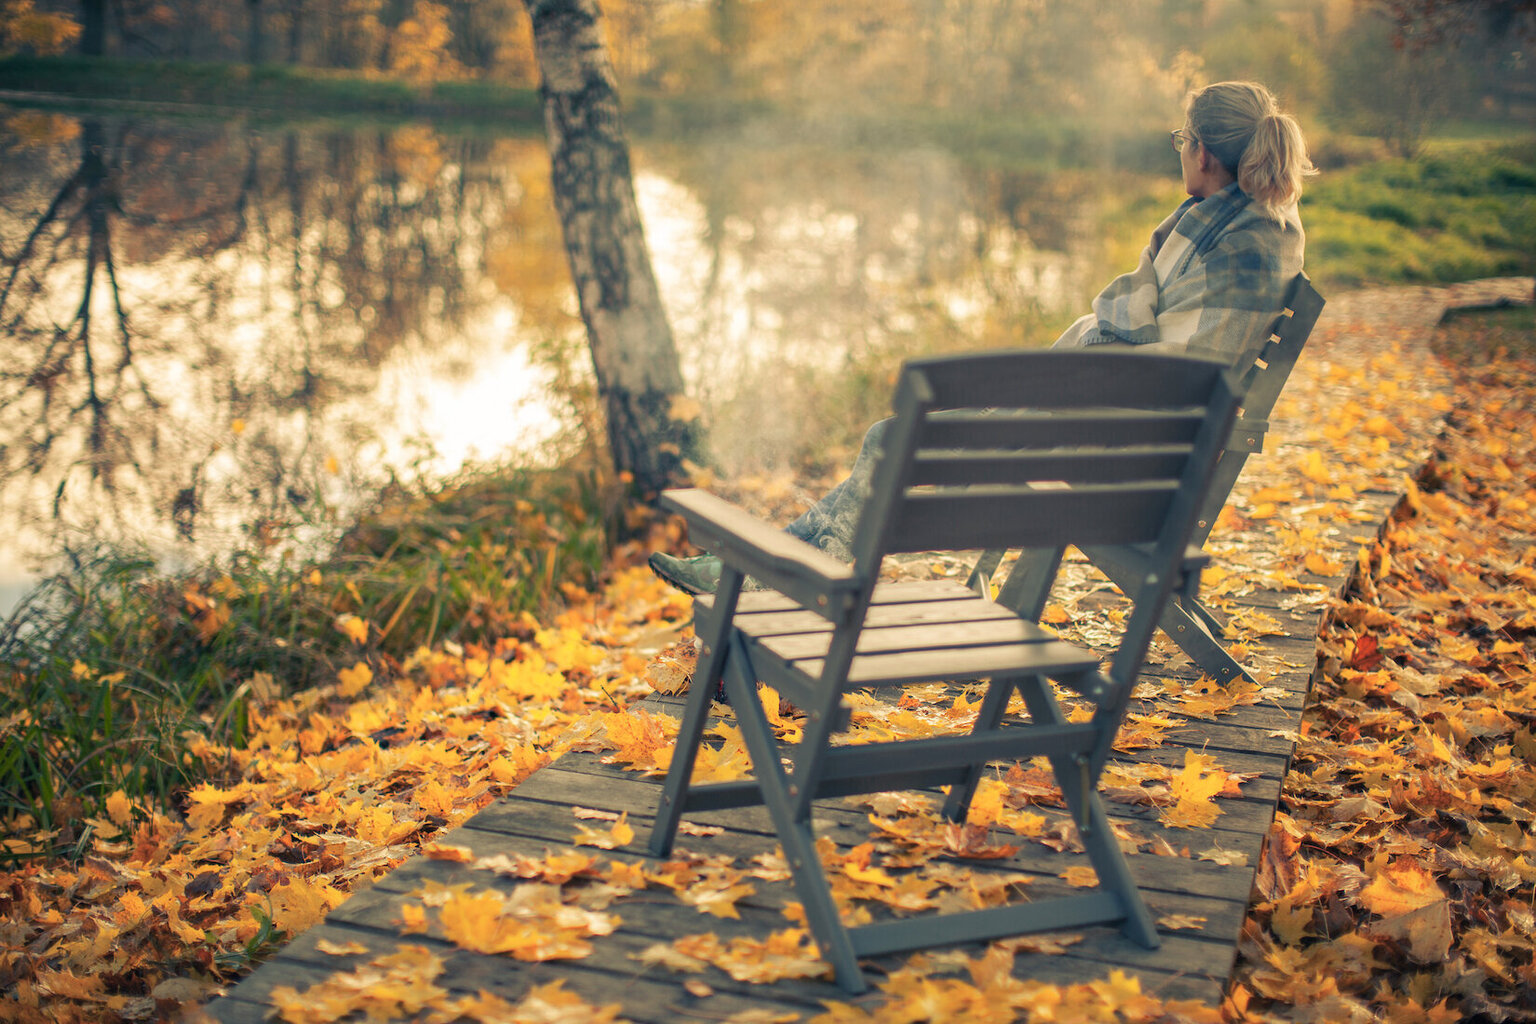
x=306 y=314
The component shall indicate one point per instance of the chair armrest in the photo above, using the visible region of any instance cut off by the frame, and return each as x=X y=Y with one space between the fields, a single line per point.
x=775 y=558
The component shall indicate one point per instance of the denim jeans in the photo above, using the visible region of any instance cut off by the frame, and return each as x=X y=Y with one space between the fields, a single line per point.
x=829 y=524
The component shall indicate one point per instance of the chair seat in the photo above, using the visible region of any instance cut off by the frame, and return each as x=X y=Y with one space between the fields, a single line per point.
x=914 y=632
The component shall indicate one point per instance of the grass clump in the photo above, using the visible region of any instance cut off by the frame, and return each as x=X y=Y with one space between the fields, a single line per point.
x=1458 y=212
x=113 y=673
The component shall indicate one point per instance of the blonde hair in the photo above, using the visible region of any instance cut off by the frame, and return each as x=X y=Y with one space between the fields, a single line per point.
x=1242 y=126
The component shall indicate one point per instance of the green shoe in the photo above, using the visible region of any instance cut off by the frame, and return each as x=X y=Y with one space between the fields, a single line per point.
x=697 y=575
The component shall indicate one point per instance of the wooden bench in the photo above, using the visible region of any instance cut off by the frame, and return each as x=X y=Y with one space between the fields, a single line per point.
x=1037 y=450
x=1186 y=620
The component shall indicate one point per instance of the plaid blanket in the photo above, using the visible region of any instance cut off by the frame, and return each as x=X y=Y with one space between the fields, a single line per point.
x=1210 y=282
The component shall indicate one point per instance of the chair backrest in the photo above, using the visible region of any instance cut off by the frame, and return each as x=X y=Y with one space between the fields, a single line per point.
x=1046 y=449
x=1261 y=382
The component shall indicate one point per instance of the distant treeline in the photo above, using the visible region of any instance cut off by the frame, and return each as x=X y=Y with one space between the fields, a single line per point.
x=1390 y=68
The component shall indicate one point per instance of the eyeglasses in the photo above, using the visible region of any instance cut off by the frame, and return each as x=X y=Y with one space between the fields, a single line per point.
x=1181 y=138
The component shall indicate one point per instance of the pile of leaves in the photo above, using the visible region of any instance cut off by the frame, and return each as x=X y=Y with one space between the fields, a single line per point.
x=335 y=786
x=1399 y=879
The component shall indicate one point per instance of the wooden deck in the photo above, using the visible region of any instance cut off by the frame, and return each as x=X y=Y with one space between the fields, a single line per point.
x=538 y=817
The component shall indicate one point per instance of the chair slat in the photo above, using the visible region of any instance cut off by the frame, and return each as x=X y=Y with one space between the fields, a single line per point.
x=1073 y=378
x=783 y=623
x=1012 y=428
x=910 y=637
x=946 y=467
x=902 y=668
x=989 y=517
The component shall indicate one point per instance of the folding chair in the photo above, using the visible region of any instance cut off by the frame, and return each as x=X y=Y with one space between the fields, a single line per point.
x=1025 y=449
x=1186 y=620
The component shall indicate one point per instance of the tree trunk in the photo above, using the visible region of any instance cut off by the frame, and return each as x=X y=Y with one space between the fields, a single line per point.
x=633 y=355
x=254 y=51
x=93 y=27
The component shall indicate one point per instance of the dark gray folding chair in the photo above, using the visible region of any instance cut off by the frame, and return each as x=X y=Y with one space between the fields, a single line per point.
x=1024 y=449
x=1191 y=625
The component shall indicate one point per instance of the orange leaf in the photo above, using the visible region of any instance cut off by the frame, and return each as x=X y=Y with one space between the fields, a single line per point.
x=1401 y=888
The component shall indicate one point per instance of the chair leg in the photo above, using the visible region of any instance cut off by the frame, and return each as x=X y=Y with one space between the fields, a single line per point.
x=794 y=831
x=1080 y=790
x=716 y=635
x=1195 y=639
x=1029 y=582
x=1114 y=874
x=994 y=704
x=1185 y=620
x=980 y=579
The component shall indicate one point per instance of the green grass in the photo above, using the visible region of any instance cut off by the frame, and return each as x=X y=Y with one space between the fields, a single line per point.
x=112 y=672
x=1460 y=211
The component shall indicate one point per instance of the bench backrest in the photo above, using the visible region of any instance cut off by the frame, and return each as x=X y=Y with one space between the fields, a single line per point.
x=1032 y=449
x=1261 y=383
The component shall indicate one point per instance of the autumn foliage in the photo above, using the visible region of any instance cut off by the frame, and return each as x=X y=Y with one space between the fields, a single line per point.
x=1397 y=882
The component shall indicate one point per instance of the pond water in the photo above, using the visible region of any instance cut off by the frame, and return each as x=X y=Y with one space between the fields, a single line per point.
x=218 y=334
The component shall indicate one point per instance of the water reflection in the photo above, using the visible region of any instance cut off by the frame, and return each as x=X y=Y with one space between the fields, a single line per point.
x=218 y=333
x=214 y=332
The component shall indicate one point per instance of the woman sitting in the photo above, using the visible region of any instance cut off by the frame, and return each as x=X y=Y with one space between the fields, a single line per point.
x=1210 y=282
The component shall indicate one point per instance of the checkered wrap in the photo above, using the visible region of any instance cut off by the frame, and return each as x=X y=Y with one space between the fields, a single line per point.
x=1210 y=282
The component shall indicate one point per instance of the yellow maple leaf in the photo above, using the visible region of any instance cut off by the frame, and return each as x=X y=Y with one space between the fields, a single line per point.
x=718 y=901
x=354 y=627
x=299 y=903
x=1193 y=791
x=1400 y=888
x=621 y=834
x=413 y=919
x=435 y=798
x=354 y=679
x=1081 y=876
x=1320 y=564
x=869 y=875
x=120 y=808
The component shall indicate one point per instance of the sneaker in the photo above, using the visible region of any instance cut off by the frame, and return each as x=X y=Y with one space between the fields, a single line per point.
x=697 y=575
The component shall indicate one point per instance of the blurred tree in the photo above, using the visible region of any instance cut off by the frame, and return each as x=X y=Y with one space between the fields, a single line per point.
x=1394 y=92
x=1424 y=23
x=254 y=34
x=419 y=47
x=93 y=24
x=23 y=27
x=639 y=378
x=493 y=37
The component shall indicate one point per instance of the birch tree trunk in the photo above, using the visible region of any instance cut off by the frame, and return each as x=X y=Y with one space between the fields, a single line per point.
x=633 y=354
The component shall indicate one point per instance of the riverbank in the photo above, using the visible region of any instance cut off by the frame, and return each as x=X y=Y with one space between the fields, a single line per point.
x=263 y=91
